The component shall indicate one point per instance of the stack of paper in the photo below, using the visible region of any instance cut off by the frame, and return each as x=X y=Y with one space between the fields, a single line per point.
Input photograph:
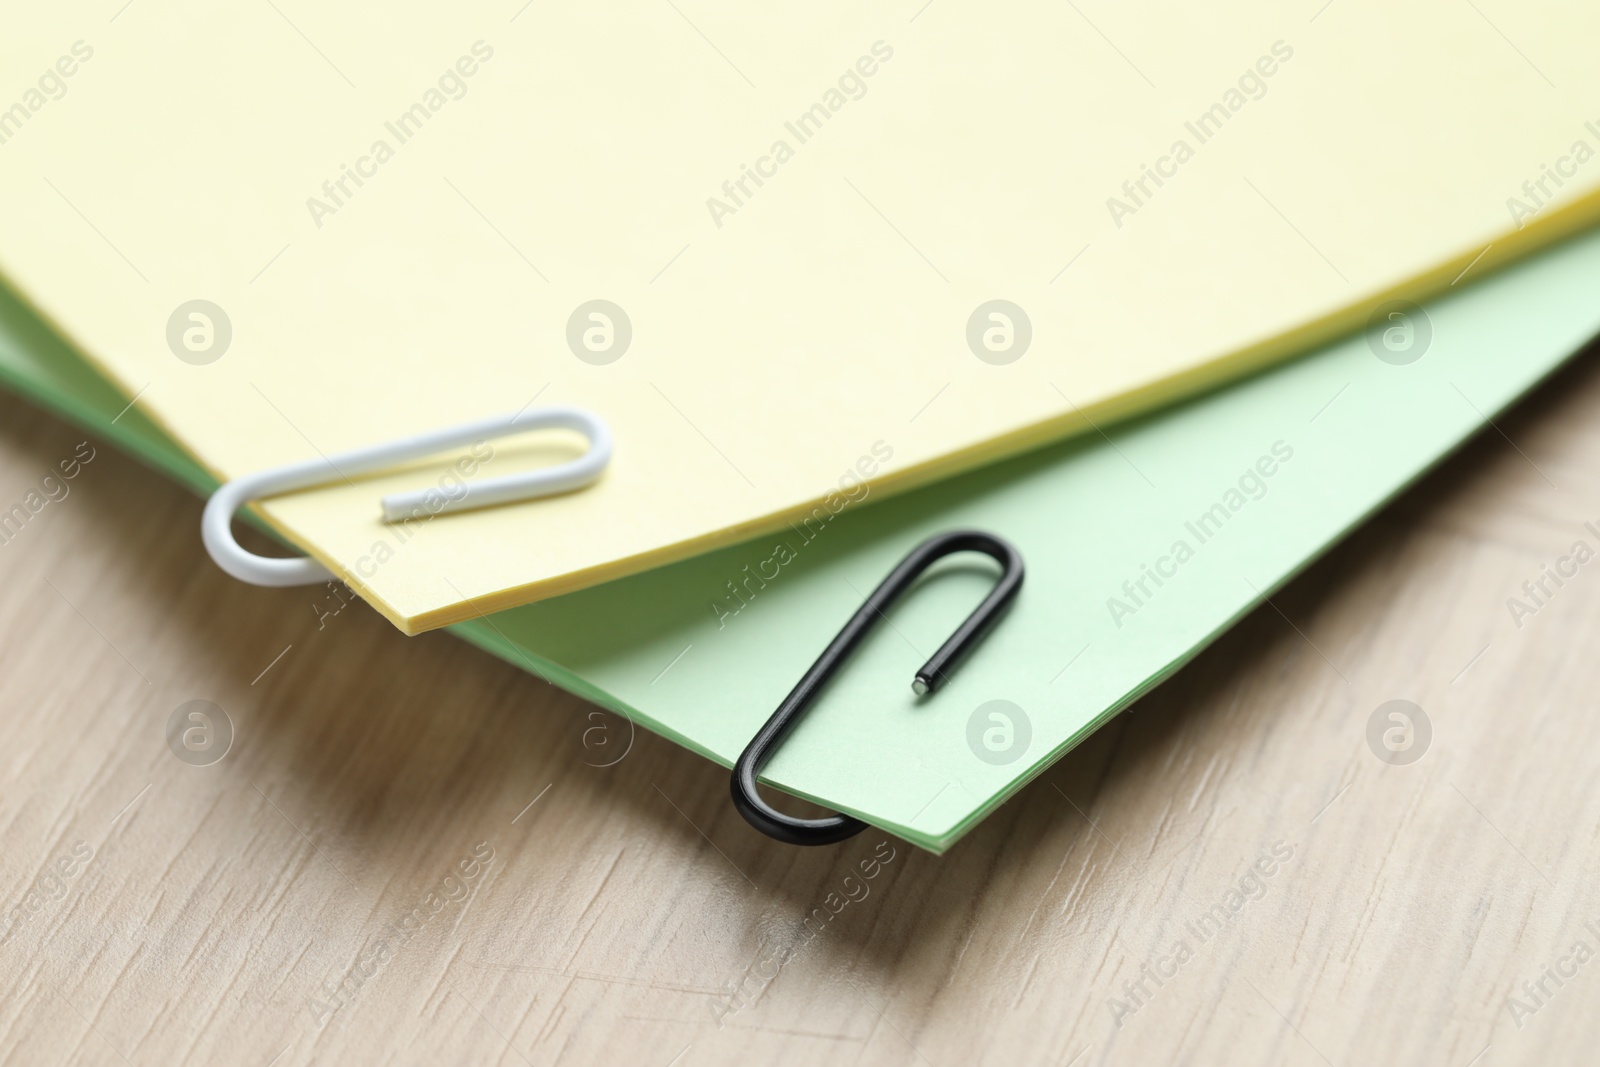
x=1222 y=500
x=804 y=264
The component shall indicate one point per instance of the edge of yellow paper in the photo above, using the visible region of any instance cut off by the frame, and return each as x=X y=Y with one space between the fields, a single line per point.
x=1507 y=248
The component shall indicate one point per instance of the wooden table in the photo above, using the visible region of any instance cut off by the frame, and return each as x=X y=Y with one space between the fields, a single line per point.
x=407 y=854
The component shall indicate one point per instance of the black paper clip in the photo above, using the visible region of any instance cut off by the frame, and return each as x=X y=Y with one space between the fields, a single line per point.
x=826 y=831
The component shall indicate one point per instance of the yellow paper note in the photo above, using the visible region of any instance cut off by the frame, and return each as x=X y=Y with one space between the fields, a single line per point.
x=838 y=250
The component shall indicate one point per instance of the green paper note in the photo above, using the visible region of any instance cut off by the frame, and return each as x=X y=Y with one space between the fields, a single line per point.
x=1140 y=549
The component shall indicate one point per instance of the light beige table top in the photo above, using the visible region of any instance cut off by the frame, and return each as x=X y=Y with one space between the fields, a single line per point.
x=408 y=856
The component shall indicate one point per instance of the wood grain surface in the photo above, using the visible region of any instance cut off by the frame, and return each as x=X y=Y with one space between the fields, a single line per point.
x=413 y=853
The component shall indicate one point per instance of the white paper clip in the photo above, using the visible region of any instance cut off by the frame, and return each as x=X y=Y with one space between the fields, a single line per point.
x=216 y=524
